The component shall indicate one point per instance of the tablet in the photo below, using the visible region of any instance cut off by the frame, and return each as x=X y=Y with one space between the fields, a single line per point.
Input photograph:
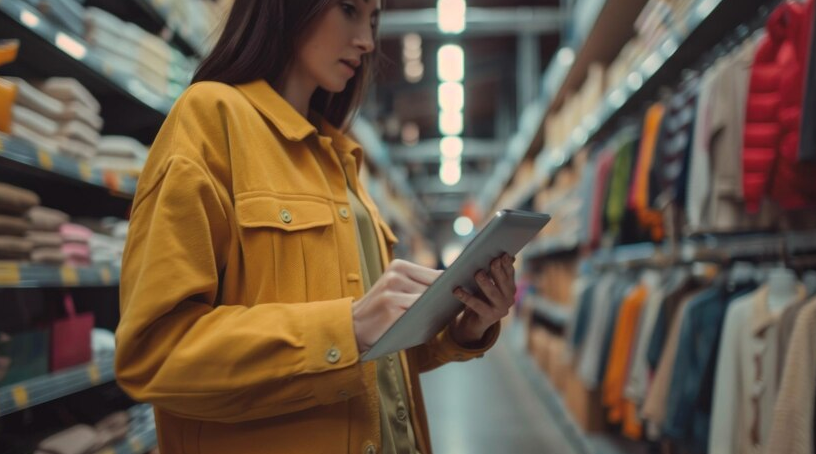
x=507 y=232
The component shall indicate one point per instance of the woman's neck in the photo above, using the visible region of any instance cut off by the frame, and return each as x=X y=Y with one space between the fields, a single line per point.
x=297 y=91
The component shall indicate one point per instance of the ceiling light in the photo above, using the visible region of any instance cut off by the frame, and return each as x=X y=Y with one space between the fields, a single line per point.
x=450 y=172
x=451 y=15
x=451 y=63
x=463 y=226
x=451 y=147
x=451 y=96
x=451 y=122
x=414 y=70
x=412 y=41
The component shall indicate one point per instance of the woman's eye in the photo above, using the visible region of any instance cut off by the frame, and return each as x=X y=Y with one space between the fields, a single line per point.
x=349 y=9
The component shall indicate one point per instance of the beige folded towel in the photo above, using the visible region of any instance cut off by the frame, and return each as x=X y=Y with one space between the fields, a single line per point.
x=46 y=219
x=16 y=200
x=13 y=225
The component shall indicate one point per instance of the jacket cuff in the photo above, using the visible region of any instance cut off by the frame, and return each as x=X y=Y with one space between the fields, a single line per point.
x=331 y=348
x=447 y=349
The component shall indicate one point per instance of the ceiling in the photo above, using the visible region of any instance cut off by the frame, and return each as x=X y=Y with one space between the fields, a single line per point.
x=495 y=90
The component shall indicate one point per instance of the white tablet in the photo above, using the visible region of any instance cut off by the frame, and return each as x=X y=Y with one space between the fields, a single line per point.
x=507 y=232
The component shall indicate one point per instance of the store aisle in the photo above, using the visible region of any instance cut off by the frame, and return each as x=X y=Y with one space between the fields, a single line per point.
x=489 y=406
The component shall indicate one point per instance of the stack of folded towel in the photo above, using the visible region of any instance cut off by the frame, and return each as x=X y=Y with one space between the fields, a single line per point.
x=130 y=49
x=76 y=244
x=59 y=115
x=14 y=204
x=44 y=234
x=86 y=439
x=120 y=153
x=107 y=241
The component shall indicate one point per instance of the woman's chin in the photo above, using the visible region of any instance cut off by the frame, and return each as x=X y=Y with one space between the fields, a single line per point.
x=335 y=86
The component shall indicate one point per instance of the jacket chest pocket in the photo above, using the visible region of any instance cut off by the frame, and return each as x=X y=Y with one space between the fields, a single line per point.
x=289 y=246
x=390 y=239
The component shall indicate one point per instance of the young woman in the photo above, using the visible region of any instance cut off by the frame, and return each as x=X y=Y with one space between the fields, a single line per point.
x=257 y=268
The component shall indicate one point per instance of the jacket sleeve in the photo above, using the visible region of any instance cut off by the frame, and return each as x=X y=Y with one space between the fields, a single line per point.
x=184 y=350
x=443 y=349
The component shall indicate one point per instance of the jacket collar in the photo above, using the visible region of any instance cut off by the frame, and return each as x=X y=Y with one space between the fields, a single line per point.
x=291 y=123
x=763 y=316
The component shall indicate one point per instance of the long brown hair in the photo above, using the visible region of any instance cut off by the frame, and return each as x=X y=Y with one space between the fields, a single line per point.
x=258 y=42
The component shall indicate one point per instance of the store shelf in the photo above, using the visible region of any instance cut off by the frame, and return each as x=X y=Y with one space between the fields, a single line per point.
x=557 y=315
x=181 y=39
x=129 y=106
x=25 y=275
x=706 y=24
x=26 y=153
x=549 y=246
x=36 y=391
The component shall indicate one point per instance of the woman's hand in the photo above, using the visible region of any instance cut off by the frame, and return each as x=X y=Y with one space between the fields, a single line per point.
x=498 y=293
x=395 y=292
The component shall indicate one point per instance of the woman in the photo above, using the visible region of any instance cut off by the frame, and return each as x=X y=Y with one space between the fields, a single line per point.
x=257 y=269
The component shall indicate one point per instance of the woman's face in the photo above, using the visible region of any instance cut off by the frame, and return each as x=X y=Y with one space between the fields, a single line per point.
x=331 y=51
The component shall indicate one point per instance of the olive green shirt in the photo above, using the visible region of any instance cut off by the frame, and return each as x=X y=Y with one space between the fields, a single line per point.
x=395 y=420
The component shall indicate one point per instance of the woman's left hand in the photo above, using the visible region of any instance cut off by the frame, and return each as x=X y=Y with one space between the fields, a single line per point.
x=498 y=293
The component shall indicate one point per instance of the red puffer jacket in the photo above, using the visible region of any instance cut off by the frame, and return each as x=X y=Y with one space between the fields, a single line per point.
x=773 y=113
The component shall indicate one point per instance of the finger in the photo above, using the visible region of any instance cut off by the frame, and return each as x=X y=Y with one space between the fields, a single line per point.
x=507 y=288
x=396 y=281
x=507 y=262
x=418 y=273
x=497 y=270
x=488 y=287
x=481 y=308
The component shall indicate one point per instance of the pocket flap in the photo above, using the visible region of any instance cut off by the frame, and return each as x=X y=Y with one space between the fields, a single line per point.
x=283 y=213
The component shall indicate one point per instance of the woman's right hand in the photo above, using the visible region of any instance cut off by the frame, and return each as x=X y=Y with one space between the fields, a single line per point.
x=395 y=292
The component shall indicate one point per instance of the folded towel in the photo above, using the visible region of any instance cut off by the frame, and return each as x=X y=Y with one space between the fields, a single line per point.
x=48 y=256
x=34 y=99
x=55 y=145
x=78 y=130
x=34 y=121
x=44 y=239
x=128 y=165
x=46 y=219
x=78 y=439
x=15 y=248
x=75 y=110
x=68 y=89
x=75 y=233
x=122 y=146
x=42 y=142
x=16 y=200
x=112 y=428
x=76 y=254
x=67 y=13
x=13 y=225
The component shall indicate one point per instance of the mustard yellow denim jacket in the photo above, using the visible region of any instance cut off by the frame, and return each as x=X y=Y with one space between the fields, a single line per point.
x=238 y=277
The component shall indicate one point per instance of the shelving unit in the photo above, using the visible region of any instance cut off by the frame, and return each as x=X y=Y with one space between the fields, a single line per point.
x=137 y=443
x=23 y=152
x=128 y=105
x=709 y=22
x=25 y=275
x=36 y=391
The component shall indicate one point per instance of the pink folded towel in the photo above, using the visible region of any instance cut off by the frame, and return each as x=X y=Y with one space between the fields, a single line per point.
x=76 y=254
x=75 y=233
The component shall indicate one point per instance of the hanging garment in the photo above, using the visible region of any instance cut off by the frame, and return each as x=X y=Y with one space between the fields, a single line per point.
x=770 y=161
x=592 y=347
x=639 y=192
x=745 y=380
x=807 y=133
x=793 y=420
x=604 y=169
x=715 y=195
x=626 y=144
x=688 y=412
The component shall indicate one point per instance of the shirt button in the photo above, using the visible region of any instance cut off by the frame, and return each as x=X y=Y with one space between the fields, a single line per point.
x=402 y=414
x=370 y=449
x=333 y=355
x=286 y=216
x=344 y=213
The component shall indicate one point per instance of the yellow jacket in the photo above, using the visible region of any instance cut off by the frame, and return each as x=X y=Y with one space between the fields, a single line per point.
x=239 y=273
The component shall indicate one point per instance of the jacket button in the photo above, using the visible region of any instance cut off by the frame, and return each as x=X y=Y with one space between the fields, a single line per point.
x=344 y=213
x=333 y=355
x=402 y=414
x=286 y=216
x=370 y=449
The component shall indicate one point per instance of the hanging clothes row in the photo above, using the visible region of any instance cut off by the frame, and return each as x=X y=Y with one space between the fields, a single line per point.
x=693 y=355
x=720 y=152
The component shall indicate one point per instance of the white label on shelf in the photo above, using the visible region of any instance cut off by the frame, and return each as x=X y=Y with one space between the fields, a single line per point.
x=71 y=46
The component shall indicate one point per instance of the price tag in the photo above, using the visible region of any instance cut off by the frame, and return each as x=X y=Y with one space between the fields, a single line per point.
x=69 y=275
x=20 y=396
x=105 y=275
x=85 y=172
x=112 y=180
x=45 y=160
x=93 y=374
x=9 y=273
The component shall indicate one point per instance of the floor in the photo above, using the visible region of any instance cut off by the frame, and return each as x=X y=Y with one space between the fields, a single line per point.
x=501 y=404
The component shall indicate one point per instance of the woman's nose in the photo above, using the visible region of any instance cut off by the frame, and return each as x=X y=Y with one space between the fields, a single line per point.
x=364 y=40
